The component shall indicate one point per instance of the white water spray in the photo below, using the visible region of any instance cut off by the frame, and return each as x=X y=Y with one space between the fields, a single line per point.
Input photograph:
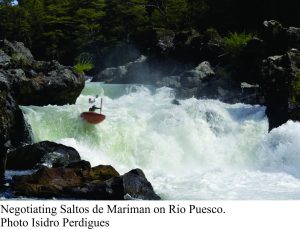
x=201 y=149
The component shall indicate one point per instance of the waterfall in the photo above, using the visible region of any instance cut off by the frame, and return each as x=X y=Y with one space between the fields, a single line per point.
x=200 y=149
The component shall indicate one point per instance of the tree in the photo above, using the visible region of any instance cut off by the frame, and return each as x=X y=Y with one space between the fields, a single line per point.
x=14 y=23
x=197 y=13
x=124 y=19
x=87 y=23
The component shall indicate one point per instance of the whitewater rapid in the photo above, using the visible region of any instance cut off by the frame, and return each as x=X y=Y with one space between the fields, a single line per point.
x=200 y=149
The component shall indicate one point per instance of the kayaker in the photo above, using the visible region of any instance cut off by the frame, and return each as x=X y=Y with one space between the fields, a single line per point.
x=92 y=100
x=94 y=108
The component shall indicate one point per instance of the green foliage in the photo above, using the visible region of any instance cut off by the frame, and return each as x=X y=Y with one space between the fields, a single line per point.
x=81 y=68
x=20 y=59
x=14 y=23
x=84 y=63
x=235 y=42
x=296 y=90
x=213 y=34
x=124 y=20
x=176 y=12
x=87 y=23
x=171 y=14
x=197 y=11
x=62 y=29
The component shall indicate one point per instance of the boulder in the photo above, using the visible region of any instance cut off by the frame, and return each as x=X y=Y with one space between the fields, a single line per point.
x=4 y=59
x=110 y=74
x=37 y=83
x=48 y=182
x=111 y=189
x=103 y=172
x=223 y=88
x=45 y=83
x=169 y=81
x=293 y=34
x=44 y=153
x=194 y=79
x=249 y=63
x=280 y=86
x=275 y=89
x=204 y=82
x=17 y=51
x=274 y=34
x=79 y=181
x=137 y=186
x=13 y=129
x=279 y=38
x=132 y=72
x=294 y=94
x=81 y=165
x=190 y=46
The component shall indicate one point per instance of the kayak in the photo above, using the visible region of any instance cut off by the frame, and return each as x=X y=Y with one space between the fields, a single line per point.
x=92 y=117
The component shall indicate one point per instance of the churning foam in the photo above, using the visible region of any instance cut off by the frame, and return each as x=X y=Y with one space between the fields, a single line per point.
x=201 y=149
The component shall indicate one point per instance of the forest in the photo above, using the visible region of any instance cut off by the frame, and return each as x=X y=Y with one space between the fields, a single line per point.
x=67 y=30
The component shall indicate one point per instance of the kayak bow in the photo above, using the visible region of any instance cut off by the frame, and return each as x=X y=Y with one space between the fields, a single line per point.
x=92 y=117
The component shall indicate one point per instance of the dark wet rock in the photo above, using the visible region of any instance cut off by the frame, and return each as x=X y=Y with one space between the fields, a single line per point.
x=281 y=80
x=212 y=52
x=3 y=151
x=63 y=182
x=196 y=76
x=4 y=59
x=17 y=51
x=38 y=83
x=109 y=74
x=272 y=28
x=137 y=186
x=175 y=102
x=111 y=189
x=279 y=38
x=79 y=181
x=187 y=83
x=190 y=46
x=194 y=79
x=47 y=182
x=44 y=153
x=250 y=61
x=275 y=88
x=13 y=129
x=294 y=89
x=169 y=81
x=274 y=35
x=45 y=83
x=251 y=94
x=293 y=34
x=223 y=88
x=132 y=72
x=204 y=82
x=103 y=172
x=184 y=38
x=166 y=42
x=81 y=165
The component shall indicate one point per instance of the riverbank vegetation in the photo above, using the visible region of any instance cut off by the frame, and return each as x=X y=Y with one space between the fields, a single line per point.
x=62 y=30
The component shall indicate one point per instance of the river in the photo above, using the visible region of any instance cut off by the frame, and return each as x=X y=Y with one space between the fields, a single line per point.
x=200 y=149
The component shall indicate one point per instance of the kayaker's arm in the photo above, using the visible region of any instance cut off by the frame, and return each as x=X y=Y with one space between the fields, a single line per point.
x=93 y=108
